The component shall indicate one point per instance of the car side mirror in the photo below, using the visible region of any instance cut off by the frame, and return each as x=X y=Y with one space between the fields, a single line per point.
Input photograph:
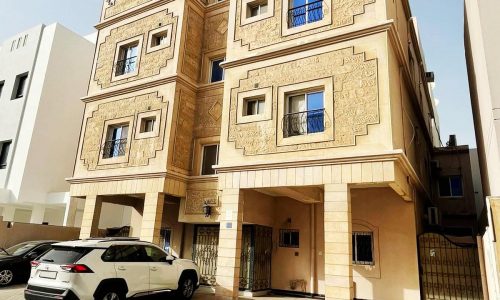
x=166 y=259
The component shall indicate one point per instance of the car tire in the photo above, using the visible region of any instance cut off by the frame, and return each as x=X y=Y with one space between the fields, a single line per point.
x=6 y=277
x=110 y=293
x=186 y=288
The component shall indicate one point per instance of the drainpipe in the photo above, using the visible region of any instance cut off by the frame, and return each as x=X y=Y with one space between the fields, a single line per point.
x=313 y=277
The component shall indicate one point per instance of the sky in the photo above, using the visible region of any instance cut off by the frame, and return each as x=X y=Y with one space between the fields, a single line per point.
x=441 y=36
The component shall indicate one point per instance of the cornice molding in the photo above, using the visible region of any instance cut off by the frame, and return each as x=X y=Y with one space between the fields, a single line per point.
x=166 y=175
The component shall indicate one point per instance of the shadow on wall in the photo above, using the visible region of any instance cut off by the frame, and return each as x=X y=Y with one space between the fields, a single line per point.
x=14 y=233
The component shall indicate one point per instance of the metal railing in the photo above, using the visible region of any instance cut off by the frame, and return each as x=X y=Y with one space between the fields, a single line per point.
x=304 y=122
x=304 y=14
x=114 y=148
x=125 y=66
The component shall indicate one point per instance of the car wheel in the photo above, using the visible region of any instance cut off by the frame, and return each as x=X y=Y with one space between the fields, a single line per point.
x=110 y=294
x=6 y=277
x=186 y=288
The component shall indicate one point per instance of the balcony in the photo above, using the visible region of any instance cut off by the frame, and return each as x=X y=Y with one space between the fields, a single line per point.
x=114 y=148
x=125 y=66
x=305 y=14
x=305 y=122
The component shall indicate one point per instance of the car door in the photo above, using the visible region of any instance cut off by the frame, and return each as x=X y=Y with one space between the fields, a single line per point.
x=131 y=264
x=163 y=273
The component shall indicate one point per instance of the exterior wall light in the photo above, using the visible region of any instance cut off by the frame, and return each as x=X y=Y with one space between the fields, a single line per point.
x=207 y=209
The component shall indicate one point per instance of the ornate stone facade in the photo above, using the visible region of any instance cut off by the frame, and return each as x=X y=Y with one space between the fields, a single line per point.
x=215 y=33
x=208 y=113
x=343 y=13
x=196 y=198
x=192 y=46
x=120 y=6
x=183 y=144
x=140 y=151
x=150 y=63
x=355 y=100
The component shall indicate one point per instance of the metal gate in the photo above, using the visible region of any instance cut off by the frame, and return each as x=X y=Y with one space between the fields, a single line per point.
x=206 y=243
x=255 y=266
x=448 y=270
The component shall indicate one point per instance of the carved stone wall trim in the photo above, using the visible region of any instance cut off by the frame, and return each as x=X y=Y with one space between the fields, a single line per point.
x=355 y=97
x=343 y=14
x=131 y=13
x=195 y=199
x=191 y=60
x=185 y=122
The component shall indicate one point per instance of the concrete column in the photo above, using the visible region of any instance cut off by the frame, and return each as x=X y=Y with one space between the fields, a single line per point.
x=8 y=213
x=91 y=215
x=229 y=253
x=152 y=217
x=70 y=212
x=338 y=243
x=135 y=222
x=37 y=214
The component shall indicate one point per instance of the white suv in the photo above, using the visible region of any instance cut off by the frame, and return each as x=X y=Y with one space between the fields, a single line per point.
x=109 y=269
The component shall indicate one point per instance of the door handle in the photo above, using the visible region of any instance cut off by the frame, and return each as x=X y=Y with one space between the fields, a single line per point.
x=121 y=268
x=153 y=269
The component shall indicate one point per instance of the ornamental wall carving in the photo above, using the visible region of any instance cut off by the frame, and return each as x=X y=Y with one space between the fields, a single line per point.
x=208 y=113
x=268 y=31
x=140 y=151
x=355 y=99
x=193 y=44
x=183 y=143
x=150 y=63
x=215 y=32
x=120 y=6
x=196 y=198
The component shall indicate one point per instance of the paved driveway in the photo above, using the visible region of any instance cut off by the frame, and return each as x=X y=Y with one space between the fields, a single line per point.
x=16 y=293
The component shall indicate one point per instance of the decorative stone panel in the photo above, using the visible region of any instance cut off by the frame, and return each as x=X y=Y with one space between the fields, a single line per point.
x=208 y=113
x=355 y=99
x=196 y=198
x=140 y=150
x=120 y=6
x=268 y=31
x=215 y=36
x=150 y=63
x=192 y=46
x=183 y=143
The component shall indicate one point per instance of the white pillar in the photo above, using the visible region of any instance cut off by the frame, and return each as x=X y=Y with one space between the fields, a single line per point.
x=37 y=214
x=70 y=212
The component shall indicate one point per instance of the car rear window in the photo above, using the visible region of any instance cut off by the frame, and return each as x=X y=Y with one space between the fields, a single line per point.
x=64 y=255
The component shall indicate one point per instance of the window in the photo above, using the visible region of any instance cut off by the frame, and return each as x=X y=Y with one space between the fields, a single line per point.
x=2 y=83
x=210 y=158
x=160 y=39
x=19 y=86
x=155 y=255
x=64 y=255
x=125 y=253
x=216 y=72
x=432 y=215
x=362 y=248
x=127 y=59
x=148 y=124
x=41 y=250
x=116 y=141
x=165 y=239
x=450 y=186
x=289 y=238
x=256 y=8
x=305 y=114
x=4 y=153
x=302 y=12
x=254 y=106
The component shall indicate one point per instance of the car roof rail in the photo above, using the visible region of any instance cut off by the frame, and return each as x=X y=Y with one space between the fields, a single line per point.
x=113 y=239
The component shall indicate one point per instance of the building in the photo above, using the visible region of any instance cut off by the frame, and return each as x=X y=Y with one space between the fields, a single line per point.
x=481 y=45
x=43 y=73
x=282 y=146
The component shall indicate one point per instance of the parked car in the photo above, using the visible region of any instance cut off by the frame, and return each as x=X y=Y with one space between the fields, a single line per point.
x=15 y=261
x=109 y=269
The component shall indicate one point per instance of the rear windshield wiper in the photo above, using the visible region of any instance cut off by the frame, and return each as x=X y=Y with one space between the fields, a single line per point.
x=4 y=250
x=47 y=260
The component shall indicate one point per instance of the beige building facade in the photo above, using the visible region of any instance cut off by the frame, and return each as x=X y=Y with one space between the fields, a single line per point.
x=282 y=146
x=481 y=45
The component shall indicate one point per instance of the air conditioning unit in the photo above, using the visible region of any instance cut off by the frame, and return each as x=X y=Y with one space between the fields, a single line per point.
x=429 y=76
x=433 y=215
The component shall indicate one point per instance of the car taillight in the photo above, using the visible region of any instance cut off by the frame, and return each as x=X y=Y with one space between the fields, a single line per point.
x=35 y=264
x=77 y=269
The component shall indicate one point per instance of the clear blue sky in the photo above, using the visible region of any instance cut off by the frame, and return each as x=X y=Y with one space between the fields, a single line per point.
x=440 y=22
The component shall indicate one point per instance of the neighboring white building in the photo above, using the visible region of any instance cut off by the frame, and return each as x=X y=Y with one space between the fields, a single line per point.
x=44 y=72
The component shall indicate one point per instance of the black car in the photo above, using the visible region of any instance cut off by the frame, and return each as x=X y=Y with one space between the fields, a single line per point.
x=15 y=262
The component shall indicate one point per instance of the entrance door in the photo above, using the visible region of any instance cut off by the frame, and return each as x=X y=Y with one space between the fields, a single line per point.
x=448 y=270
x=206 y=242
x=256 y=248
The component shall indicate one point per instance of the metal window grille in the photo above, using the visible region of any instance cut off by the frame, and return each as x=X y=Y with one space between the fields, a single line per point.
x=304 y=14
x=362 y=248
